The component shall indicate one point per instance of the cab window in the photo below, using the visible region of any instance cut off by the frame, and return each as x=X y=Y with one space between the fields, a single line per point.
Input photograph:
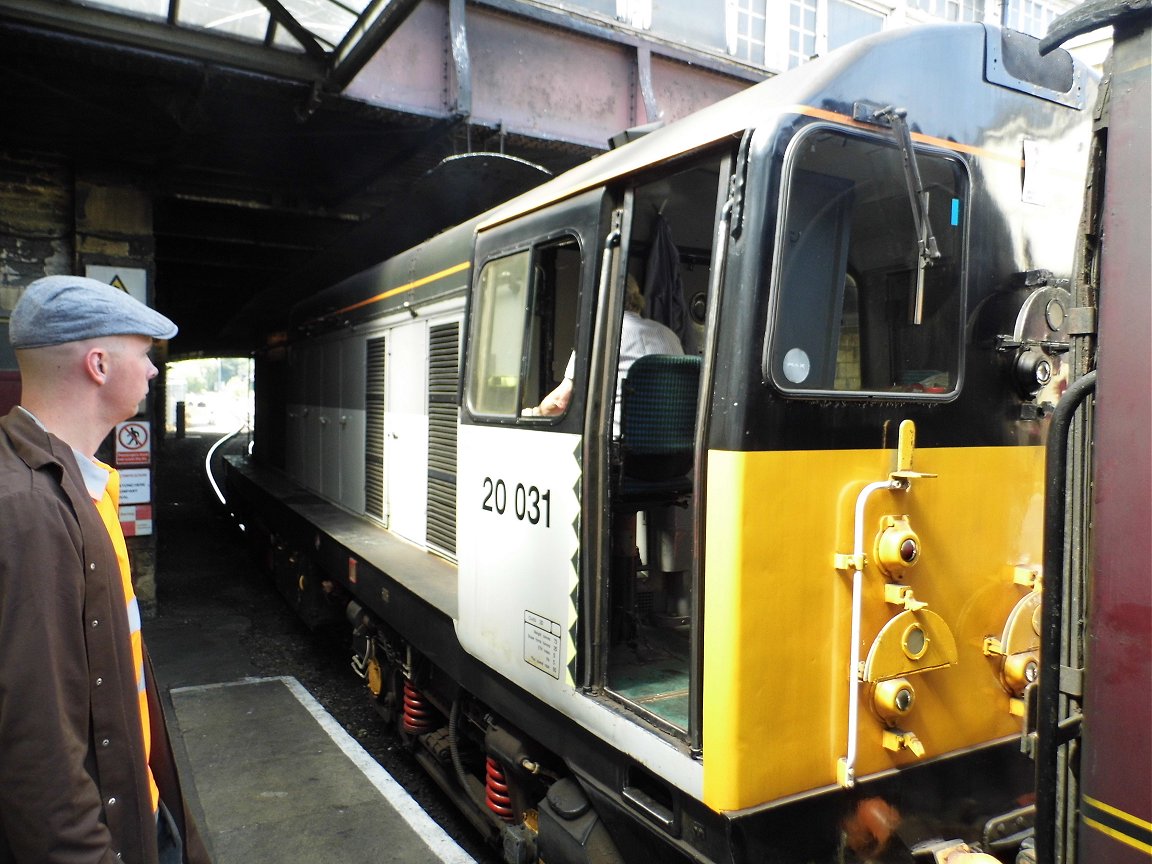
x=849 y=316
x=524 y=327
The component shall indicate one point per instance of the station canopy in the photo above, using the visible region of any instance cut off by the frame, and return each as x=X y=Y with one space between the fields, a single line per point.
x=265 y=181
x=328 y=39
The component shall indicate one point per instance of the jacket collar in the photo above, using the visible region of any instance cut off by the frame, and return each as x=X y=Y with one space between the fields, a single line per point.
x=39 y=448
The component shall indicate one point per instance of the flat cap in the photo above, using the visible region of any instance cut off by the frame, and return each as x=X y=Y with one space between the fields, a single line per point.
x=58 y=309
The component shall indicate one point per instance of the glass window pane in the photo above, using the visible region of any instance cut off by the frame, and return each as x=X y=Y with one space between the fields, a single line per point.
x=552 y=321
x=327 y=21
x=608 y=8
x=244 y=18
x=1034 y=16
x=283 y=39
x=748 y=18
x=498 y=335
x=846 y=271
x=142 y=8
x=848 y=22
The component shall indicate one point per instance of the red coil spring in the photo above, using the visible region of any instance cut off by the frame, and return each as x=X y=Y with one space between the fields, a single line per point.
x=419 y=716
x=496 y=792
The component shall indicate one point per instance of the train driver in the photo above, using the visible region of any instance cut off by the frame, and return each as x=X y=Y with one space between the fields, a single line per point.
x=639 y=336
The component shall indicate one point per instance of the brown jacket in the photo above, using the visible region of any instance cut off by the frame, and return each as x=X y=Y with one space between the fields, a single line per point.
x=73 y=778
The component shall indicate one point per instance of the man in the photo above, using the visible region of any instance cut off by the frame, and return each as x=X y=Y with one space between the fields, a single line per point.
x=639 y=337
x=86 y=768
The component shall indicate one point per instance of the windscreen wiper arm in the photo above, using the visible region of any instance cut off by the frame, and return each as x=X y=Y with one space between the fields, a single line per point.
x=927 y=250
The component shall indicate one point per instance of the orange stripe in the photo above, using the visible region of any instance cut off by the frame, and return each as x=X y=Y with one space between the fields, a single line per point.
x=804 y=110
x=844 y=119
x=400 y=289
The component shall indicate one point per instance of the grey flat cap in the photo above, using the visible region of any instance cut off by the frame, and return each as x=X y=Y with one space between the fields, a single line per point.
x=58 y=309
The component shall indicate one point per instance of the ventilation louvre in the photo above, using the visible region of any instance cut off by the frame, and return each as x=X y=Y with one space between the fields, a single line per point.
x=443 y=382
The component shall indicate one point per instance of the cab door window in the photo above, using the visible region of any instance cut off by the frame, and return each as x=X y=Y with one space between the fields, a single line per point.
x=524 y=326
x=502 y=304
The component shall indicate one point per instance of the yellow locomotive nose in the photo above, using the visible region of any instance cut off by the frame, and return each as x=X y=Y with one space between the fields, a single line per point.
x=897 y=546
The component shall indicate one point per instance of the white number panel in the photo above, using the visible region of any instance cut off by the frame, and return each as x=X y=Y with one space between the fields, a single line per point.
x=518 y=521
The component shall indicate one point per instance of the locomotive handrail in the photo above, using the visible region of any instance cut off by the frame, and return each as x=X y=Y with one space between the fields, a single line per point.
x=899 y=480
x=595 y=459
x=1052 y=610
x=699 y=467
x=848 y=775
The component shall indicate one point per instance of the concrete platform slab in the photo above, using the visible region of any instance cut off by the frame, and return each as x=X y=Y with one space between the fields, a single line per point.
x=278 y=779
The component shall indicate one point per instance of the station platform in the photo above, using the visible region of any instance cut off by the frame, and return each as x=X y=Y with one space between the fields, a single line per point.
x=272 y=777
x=278 y=780
x=269 y=774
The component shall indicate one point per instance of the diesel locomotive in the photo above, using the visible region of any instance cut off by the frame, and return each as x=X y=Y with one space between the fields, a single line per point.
x=778 y=598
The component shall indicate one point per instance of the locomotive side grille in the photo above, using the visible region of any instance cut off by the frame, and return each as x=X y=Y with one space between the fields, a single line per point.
x=443 y=379
x=374 y=433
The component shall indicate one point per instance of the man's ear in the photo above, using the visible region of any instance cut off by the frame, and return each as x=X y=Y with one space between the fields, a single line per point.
x=96 y=364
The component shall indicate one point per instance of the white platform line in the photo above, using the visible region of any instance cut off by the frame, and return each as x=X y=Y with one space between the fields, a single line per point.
x=444 y=847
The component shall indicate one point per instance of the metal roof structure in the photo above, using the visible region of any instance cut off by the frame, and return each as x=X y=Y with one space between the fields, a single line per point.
x=285 y=144
x=326 y=41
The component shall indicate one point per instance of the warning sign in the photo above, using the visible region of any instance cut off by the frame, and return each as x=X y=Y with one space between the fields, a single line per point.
x=135 y=500
x=136 y=520
x=136 y=486
x=131 y=280
x=134 y=443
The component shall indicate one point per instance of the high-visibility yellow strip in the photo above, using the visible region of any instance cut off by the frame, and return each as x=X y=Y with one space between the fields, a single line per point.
x=1120 y=814
x=1118 y=836
x=752 y=562
x=400 y=289
x=1116 y=831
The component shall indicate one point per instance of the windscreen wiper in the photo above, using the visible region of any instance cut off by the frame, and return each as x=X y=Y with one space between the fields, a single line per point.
x=928 y=252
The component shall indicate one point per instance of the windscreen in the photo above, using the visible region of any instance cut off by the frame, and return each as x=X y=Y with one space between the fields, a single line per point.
x=847 y=275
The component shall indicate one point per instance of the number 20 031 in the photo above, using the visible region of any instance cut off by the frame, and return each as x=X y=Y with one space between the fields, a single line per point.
x=528 y=502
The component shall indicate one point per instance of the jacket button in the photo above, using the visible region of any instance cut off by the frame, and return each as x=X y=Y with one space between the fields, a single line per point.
x=105 y=743
x=91 y=565
x=111 y=800
x=95 y=622
x=99 y=681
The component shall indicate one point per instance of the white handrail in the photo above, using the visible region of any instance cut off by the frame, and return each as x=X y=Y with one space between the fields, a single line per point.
x=894 y=484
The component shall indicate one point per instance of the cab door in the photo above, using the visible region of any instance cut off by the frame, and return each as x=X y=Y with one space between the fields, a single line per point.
x=519 y=493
